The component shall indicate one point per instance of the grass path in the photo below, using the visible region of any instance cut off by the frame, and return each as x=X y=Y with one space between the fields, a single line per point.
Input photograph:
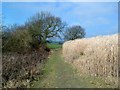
x=59 y=74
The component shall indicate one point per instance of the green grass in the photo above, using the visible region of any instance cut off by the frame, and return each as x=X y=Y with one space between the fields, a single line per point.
x=54 y=46
x=60 y=74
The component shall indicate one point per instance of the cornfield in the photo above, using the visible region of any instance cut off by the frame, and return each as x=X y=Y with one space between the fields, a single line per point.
x=97 y=56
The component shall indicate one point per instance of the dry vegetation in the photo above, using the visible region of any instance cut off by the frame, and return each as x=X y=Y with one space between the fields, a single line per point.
x=97 y=56
x=20 y=69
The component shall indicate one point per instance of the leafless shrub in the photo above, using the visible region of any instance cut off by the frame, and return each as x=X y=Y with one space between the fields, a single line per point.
x=20 y=69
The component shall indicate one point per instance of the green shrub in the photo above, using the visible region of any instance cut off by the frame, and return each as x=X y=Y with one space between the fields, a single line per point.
x=16 y=41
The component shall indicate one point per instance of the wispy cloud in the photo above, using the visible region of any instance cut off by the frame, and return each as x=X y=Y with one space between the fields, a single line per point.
x=91 y=16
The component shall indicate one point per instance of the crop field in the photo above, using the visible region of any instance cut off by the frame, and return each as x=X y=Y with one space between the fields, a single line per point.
x=97 y=56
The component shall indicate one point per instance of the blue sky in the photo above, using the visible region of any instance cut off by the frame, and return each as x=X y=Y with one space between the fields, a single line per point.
x=98 y=18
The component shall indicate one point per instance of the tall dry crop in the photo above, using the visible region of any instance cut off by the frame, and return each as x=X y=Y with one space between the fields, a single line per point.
x=97 y=56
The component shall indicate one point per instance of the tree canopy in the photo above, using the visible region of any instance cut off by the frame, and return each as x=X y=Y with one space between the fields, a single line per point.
x=44 y=25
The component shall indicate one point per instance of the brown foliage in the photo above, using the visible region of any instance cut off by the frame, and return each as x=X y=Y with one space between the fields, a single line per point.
x=21 y=67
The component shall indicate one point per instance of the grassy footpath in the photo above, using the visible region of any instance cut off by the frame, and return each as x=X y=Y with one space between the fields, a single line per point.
x=59 y=74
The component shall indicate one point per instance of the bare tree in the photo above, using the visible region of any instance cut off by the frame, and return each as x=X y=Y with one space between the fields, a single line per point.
x=43 y=25
x=74 y=32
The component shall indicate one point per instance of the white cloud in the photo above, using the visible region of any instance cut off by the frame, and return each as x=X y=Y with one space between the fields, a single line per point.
x=90 y=14
x=94 y=9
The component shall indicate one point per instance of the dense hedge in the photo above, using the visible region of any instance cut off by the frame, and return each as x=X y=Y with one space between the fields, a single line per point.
x=22 y=58
x=18 y=69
